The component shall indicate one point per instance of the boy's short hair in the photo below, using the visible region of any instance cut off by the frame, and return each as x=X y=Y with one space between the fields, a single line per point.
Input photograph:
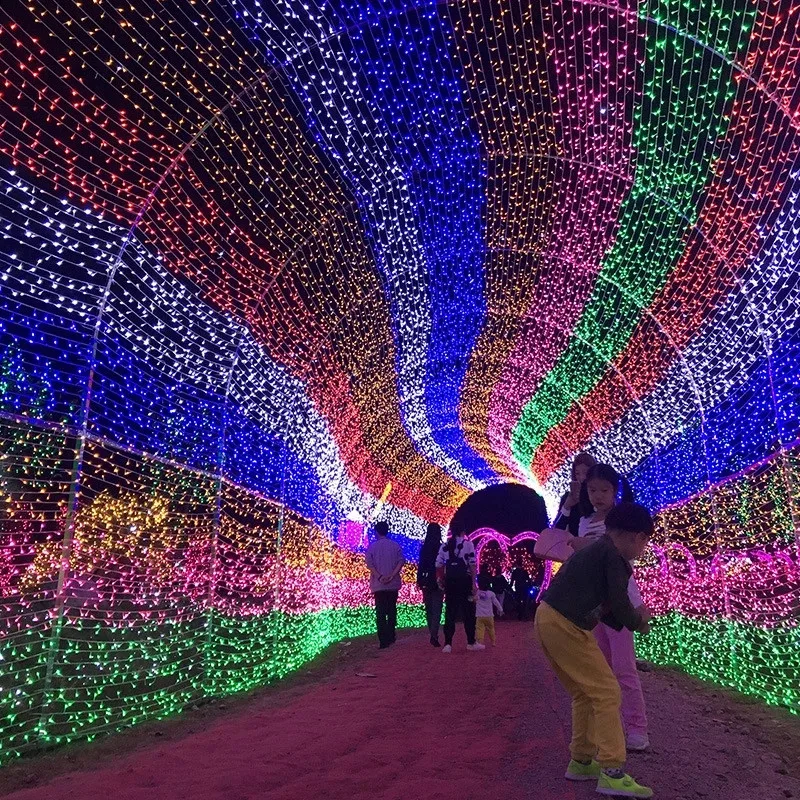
x=382 y=528
x=630 y=518
x=484 y=581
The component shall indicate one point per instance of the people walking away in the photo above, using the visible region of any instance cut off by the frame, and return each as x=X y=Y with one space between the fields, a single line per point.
x=385 y=560
x=521 y=586
x=604 y=486
x=575 y=503
x=486 y=603
x=592 y=588
x=455 y=573
x=432 y=595
x=500 y=586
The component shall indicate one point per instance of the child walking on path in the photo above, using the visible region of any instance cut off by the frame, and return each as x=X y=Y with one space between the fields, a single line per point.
x=486 y=603
x=604 y=485
x=590 y=587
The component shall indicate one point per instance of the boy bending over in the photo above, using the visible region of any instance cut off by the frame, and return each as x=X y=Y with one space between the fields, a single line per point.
x=592 y=587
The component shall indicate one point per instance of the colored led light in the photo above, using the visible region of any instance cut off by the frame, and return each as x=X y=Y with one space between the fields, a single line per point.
x=271 y=270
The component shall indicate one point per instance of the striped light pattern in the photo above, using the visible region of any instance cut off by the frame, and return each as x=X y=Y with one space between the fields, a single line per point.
x=271 y=271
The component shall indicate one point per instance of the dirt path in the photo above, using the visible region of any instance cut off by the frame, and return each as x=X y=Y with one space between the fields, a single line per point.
x=411 y=722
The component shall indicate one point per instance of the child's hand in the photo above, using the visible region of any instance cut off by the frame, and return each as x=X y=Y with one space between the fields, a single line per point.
x=644 y=611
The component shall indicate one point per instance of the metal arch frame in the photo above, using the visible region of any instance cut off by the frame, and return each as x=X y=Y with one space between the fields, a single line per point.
x=482 y=537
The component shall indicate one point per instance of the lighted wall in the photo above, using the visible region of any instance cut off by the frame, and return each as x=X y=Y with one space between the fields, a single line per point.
x=269 y=270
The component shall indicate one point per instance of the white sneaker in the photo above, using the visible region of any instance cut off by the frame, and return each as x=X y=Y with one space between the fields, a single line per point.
x=476 y=646
x=447 y=649
x=636 y=742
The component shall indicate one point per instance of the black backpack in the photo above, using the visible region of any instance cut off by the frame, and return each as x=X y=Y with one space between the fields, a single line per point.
x=457 y=578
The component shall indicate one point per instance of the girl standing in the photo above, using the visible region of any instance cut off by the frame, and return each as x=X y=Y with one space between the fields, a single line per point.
x=486 y=603
x=575 y=504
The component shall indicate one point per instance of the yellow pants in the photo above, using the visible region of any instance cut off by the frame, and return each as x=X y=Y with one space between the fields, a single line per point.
x=584 y=672
x=484 y=625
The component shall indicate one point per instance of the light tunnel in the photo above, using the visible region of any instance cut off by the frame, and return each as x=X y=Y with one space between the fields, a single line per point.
x=274 y=270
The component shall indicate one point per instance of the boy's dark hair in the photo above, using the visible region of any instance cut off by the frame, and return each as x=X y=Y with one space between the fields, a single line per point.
x=630 y=518
x=484 y=581
x=382 y=528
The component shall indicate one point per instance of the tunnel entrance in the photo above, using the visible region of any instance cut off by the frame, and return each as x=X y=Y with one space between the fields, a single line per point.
x=503 y=521
x=508 y=508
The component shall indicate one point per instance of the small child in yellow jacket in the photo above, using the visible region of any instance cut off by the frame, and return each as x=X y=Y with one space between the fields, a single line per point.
x=486 y=603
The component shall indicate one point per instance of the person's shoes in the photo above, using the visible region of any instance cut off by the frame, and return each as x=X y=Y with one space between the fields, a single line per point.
x=624 y=786
x=582 y=772
x=382 y=646
x=447 y=649
x=435 y=641
x=476 y=646
x=637 y=742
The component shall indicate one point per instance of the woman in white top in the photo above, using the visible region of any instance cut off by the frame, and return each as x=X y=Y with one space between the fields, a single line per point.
x=604 y=484
x=455 y=574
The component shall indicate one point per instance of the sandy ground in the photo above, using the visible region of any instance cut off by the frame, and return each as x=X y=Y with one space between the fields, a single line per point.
x=411 y=722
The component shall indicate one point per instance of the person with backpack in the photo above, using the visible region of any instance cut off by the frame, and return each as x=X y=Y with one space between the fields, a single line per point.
x=455 y=573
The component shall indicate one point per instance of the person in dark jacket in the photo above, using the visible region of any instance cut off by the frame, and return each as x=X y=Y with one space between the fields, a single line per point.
x=521 y=585
x=426 y=580
x=593 y=586
x=500 y=585
x=575 y=503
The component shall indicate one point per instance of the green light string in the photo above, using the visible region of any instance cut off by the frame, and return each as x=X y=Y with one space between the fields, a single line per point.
x=757 y=661
x=109 y=678
x=683 y=116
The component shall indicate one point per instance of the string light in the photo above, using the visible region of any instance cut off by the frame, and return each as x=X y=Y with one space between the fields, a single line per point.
x=270 y=271
x=743 y=206
x=659 y=213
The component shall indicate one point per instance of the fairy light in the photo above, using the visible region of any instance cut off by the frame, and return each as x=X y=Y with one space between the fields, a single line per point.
x=725 y=364
x=673 y=162
x=267 y=271
x=594 y=174
x=742 y=206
